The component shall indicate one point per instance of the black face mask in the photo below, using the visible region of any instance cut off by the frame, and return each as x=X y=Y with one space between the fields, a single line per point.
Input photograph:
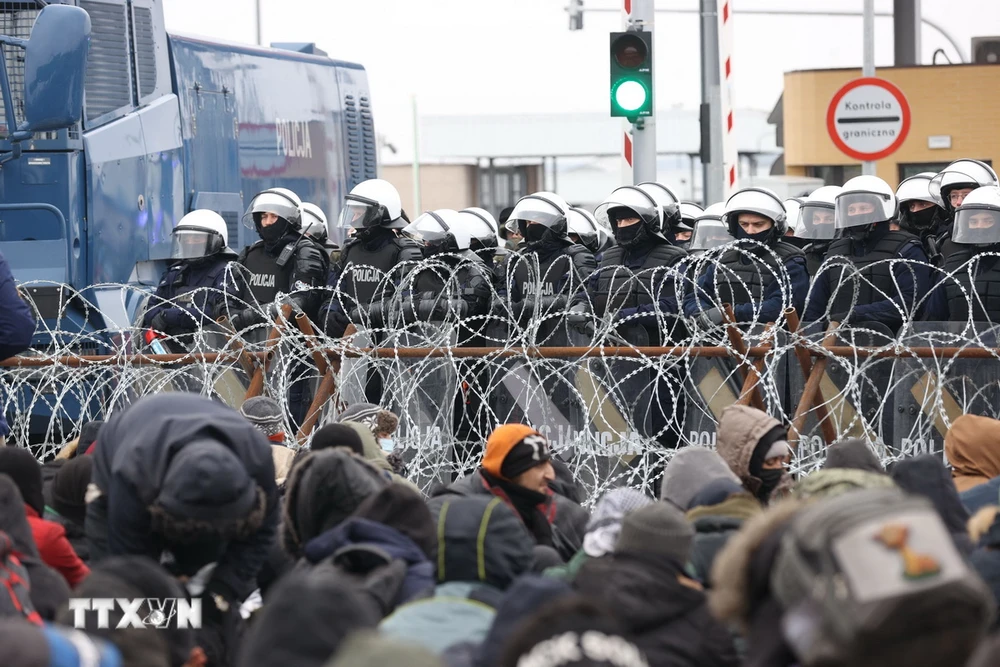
x=921 y=220
x=769 y=481
x=535 y=233
x=631 y=236
x=273 y=233
x=761 y=237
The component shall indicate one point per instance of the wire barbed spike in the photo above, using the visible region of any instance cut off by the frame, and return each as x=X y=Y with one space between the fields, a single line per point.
x=614 y=408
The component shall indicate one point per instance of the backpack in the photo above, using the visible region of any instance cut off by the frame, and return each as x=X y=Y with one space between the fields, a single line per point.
x=15 y=589
x=872 y=577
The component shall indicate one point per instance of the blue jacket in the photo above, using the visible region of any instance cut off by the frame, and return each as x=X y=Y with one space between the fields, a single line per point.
x=768 y=310
x=452 y=616
x=17 y=323
x=885 y=311
x=206 y=278
x=364 y=532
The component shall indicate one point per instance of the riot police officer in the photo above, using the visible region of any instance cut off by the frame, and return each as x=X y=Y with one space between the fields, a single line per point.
x=864 y=286
x=920 y=214
x=483 y=232
x=588 y=232
x=548 y=274
x=709 y=230
x=640 y=277
x=970 y=287
x=817 y=225
x=192 y=291
x=953 y=183
x=283 y=261
x=684 y=228
x=314 y=225
x=371 y=261
x=760 y=274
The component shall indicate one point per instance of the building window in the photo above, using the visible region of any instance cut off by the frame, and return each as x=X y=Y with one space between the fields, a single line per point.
x=834 y=174
x=502 y=186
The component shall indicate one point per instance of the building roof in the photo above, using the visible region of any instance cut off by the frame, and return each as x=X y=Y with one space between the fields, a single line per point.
x=576 y=134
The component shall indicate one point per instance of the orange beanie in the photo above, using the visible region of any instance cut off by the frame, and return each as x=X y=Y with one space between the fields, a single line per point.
x=501 y=442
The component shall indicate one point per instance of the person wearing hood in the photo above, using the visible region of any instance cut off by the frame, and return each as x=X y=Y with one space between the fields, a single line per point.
x=717 y=512
x=308 y=618
x=853 y=453
x=193 y=290
x=183 y=474
x=376 y=456
x=643 y=585
x=926 y=476
x=603 y=528
x=755 y=446
x=761 y=275
x=383 y=424
x=49 y=590
x=689 y=471
x=482 y=548
x=389 y=540
x=517 y=468
x=970 y=448
x=68 y=503
x=50 y=537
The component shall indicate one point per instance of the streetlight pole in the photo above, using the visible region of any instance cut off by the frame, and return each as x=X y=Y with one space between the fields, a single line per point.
x=260 y=38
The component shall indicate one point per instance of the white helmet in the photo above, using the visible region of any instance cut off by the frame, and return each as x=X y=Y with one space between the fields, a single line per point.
x=314 y=223
x=690 y=212
x=710 y=231
x=864 y=201
x=713 y=212
x=673 y=220
x=792 y=206
x=627 y=201
x=960 y=174
x=282 y=202
x=585 y=227
x=817 y=214
x=760 y=201
x=545 y=208
x=481 y=226
x=198 y=234
x=439 y=231
x=977 y=220
x=915 y=188
x=372 y=203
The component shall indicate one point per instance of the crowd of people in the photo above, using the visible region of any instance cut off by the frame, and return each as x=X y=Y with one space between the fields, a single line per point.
x=328 y=556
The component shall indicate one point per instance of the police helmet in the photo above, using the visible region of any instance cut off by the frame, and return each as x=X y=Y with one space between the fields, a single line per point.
x=543 y=208
x=439 y=231
x=817 y=214
x=200 y=233
x=710 y=231
x=792 y=206
x=314 y=223
x=584 y=226
x=481 y=226
x=864 y=201
x=963 y=174
x=372 y=203
x=977 y=220
x=281 y=202
x=690 y=212
x=759 y=201
x=669 y=203
x=630 y=201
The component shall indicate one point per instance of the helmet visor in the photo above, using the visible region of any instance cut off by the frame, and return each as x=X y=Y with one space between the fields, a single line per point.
x=817 y=222
x=977 y=226
x=427 y=231
x=270 y=202
x=710 y=234
x=359 y=213
x=194 y=243
x=856 y=209
x=545 y=218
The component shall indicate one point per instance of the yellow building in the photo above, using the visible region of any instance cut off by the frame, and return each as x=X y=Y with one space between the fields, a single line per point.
x=955 y=113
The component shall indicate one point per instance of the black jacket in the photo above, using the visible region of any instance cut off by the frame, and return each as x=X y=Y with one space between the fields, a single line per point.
x=667 y=619
x=131 y=462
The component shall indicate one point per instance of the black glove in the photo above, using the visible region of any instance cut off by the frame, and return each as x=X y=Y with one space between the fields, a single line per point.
x=373 y=317
x=245 y=319
x=844 y=317
x=578 y=314
x=550 y=304
x=523 y=310
x=159 y=322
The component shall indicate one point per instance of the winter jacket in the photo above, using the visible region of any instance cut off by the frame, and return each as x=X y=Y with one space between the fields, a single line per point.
x=981 y=496
x=690 y=470
x=482 y=548
x=74 y=533
x=49 y=591
x=926 y=476
x=740 y=429
x=970 y=447
x=54 y=549
x=567 y=519
x=714 y=525
x=662 y=611
x=131 y=462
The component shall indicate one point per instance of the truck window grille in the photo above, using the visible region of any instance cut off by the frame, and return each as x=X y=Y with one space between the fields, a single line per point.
x=145 y=50
x=355 y=143
x=107 y=84
x=370 y=146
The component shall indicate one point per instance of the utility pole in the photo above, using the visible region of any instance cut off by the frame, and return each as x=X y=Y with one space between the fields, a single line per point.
x=260 y=38
x=868 y=167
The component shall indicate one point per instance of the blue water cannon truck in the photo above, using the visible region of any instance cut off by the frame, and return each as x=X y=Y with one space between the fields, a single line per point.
x=112 y=129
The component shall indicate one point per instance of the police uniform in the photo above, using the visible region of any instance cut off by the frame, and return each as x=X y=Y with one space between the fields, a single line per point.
x=205 y=282
x=278 y=270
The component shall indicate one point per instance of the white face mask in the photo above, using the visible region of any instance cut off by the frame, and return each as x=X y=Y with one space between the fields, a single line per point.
x=387 y=444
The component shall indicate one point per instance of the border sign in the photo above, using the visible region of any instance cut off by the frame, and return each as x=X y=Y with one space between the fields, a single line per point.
x=868 y=119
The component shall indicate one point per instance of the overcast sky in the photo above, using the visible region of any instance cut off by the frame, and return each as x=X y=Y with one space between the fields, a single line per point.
x=505 y=56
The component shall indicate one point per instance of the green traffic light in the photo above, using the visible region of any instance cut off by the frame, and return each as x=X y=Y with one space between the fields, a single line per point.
x=630 y=95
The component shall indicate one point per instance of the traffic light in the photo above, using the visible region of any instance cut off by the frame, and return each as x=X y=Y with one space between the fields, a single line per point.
x=631 y=74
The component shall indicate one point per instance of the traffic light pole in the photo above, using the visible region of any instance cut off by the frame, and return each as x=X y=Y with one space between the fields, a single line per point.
x=713 y=180
x=641 y=17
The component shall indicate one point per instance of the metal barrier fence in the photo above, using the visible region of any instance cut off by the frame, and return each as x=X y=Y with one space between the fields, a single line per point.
x=614 y=403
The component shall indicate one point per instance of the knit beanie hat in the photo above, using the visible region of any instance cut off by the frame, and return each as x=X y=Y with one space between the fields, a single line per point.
x=26 y=472
x=69 y=488
x=88 y=436
x=513 y=449
x=377 y=419
x=266 y=414
x=207 y=481
x=337 y=435
x=659 y=530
